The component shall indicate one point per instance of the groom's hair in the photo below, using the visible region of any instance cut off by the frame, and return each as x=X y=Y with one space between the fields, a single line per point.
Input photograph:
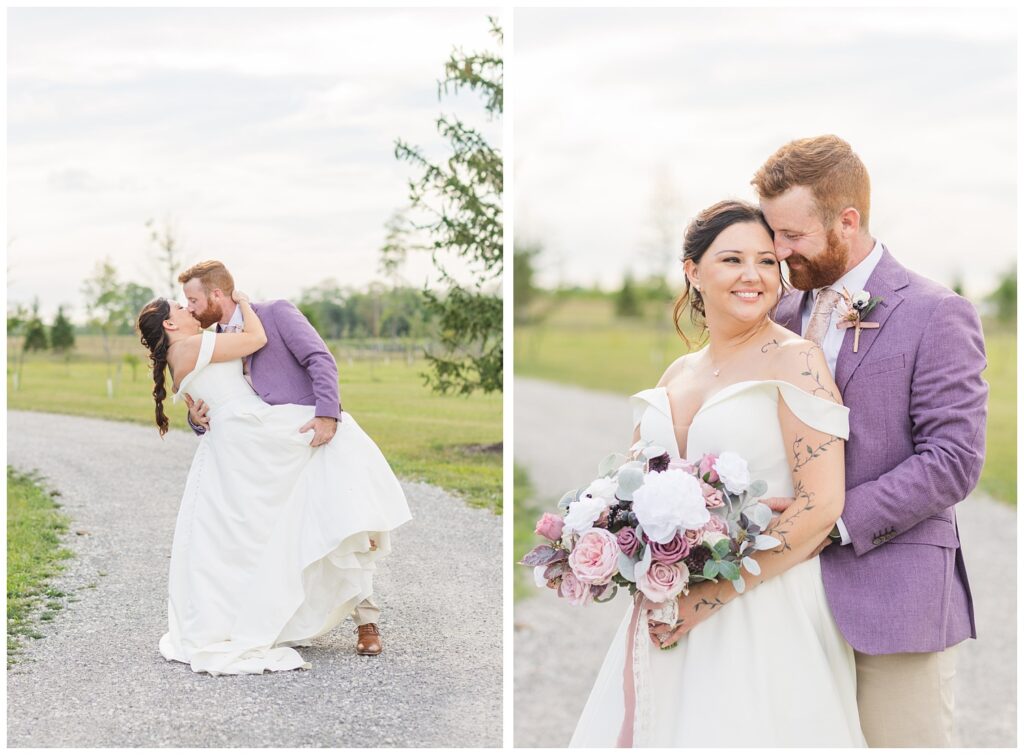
x=827 y=166
x=211 y=274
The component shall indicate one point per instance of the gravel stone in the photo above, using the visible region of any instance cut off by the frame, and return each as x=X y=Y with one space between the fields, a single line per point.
x=97 y=678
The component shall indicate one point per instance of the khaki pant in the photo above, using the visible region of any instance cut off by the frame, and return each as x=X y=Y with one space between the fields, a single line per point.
x=366 y=612
x=906 y=699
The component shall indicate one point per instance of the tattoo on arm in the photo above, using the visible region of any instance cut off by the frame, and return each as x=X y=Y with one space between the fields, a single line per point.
x=711 y=604
x=814 y=374
x=781 y=530
x=812 y=453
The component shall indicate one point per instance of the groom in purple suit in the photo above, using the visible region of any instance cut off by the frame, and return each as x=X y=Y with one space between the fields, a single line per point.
x=894 y=573
x=295 y=367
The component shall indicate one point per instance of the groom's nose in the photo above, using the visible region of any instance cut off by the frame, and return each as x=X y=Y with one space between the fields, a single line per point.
x=782 y=250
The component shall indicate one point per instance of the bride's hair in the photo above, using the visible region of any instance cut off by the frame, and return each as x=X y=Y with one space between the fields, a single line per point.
x=154 y=337
x=699 y=236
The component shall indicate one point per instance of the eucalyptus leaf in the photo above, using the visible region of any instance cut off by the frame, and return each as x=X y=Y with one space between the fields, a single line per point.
x=751 y=565
x=757 y=489
x=711 y=569
x=571 y=497
x=721 y=548
x=760 y=514
x=728 y=570
x=765 y=542
x=627 y=567
x=610 y=464
x=739 y=585
x=630 y=479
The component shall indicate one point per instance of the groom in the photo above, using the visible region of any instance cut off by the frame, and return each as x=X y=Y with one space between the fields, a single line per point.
x=894 y=574
x=295 y=367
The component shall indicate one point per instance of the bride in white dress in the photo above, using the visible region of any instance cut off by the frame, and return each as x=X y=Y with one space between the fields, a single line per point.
x=768 y=668
x=276 y=541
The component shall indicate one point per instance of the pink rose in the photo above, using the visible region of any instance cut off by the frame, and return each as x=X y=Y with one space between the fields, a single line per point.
x=550 y=526
x=661 y=582
x=628 y=541
x=684 y=465
x=712 y=496
x=576 y=592
x=717 y=525
x=694 y=537
x=596 y=557
x=707 y=467
x=674 y=550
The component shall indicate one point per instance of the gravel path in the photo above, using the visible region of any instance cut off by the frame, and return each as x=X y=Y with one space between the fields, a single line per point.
x=556 y=661
x=98 y=680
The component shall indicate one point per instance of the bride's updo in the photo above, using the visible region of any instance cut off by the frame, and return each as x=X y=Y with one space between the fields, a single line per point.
x=154 y=338
x=699 y=236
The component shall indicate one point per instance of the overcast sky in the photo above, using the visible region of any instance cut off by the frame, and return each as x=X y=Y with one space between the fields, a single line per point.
x=618 y=112
x=265 y=135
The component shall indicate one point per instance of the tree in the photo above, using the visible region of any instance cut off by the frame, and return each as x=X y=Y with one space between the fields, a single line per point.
x=1004 y=298
x=106 y=307
x=457 y=204
x=135 y=297
x=62 y=334
x=16 y=321
x=627 y=303
x=168 y=252
x=35 y=331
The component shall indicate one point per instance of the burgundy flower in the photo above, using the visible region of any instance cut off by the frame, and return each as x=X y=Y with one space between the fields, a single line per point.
x=659 y=463
x=628 y=541
x=697 y=558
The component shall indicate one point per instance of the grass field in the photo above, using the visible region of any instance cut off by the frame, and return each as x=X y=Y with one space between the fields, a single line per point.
x=523 y=537
x=449 y=441
x=583 y=343
x=34 y=555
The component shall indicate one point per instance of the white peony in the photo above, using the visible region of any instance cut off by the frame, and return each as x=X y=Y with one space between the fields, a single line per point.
x=603 y=488
x=582 y=515
x=538 y=575
x=668 y=502
x=733 y=471
x=860 y=299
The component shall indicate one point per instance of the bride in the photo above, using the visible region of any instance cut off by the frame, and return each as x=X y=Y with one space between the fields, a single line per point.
x=769 y=669
x=276 y=541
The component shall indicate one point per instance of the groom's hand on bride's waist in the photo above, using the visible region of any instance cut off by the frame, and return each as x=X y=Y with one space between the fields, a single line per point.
x=323 y=430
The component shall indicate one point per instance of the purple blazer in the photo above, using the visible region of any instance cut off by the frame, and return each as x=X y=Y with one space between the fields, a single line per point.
x=295 y=366
x=917 y=442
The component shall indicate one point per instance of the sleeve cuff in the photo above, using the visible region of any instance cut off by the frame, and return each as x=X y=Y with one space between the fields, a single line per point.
x=843 y=533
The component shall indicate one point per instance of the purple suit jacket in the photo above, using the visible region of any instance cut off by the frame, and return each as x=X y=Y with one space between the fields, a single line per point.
x=295 y=366
x=917 y=442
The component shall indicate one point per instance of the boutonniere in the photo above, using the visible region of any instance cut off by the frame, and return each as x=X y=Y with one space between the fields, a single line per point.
x=857 y=307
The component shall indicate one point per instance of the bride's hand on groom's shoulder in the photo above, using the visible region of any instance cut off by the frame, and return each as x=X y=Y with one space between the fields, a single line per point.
x=238 y=297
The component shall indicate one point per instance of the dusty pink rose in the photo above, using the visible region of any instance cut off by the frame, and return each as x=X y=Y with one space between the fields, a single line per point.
x=712 y=497
x=674 y=550
x=550 y=526
x=596 y=557
x=576 y=592
x=707 y=467
x=684 y=465
x=693 y=537
x=628 y=541
x=661 y=582
x=717 y=525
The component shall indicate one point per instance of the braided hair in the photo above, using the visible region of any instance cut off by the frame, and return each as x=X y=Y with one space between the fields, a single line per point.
x=154 y=338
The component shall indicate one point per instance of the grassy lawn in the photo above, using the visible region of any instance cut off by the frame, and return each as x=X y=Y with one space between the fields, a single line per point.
x=34 y=555
x=448 y=441
x=583 y=343
x=523 y=537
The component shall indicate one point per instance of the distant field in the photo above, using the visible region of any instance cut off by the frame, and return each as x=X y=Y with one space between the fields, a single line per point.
x=583 y=343
x=444 y=440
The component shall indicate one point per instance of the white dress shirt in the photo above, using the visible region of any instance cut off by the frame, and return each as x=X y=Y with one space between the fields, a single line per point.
x=853 y=281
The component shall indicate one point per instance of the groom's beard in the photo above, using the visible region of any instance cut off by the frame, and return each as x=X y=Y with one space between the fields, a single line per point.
x=213 y=313
x=824 y=270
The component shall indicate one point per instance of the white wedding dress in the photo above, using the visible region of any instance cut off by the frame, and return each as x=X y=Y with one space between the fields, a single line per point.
x=770 y=668
x=272 y=542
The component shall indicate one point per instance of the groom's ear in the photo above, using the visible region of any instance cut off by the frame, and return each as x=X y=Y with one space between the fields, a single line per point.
x=849 y=222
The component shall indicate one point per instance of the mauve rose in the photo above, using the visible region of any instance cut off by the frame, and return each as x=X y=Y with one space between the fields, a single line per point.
x=712 y=496
x=674 y=550
x=596 y=557
x=627 y=540
x=550 y=526
x=717 y=525
x=660 y=582
x=707 y=467
x=576 y=592
x=694 y=537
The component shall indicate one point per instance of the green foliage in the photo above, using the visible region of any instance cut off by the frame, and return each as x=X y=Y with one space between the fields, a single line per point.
x=133 y=361
x=627 y=303
x=457 y=203
x=62 y=334
x=111 y=305
x=399 y=312
x=1004 y=298
x=34 y=553
x=525 y=513
x=35 y=331
x=524 y=290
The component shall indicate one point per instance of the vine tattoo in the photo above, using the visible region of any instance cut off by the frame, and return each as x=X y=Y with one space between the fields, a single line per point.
x=800 y=493
x=812 y=453
x=815 y=375
x=711 y=604
x=772 y=343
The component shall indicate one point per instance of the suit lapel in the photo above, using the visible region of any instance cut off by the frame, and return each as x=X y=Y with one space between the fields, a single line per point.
x=789 y=313
x=887 y=278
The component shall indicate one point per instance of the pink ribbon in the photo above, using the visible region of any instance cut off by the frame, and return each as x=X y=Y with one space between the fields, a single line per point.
x=628 y=681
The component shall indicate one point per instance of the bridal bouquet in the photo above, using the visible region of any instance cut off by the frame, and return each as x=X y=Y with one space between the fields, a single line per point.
x=653 y=524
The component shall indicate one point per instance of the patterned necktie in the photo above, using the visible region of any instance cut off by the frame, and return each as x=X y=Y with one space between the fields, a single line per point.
x=824 y=303
x=232 y=329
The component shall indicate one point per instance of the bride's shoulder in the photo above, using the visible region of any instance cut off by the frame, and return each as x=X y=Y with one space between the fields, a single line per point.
x=802 y=363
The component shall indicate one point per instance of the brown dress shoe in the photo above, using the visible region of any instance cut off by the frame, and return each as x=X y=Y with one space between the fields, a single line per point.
x=369 y=639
